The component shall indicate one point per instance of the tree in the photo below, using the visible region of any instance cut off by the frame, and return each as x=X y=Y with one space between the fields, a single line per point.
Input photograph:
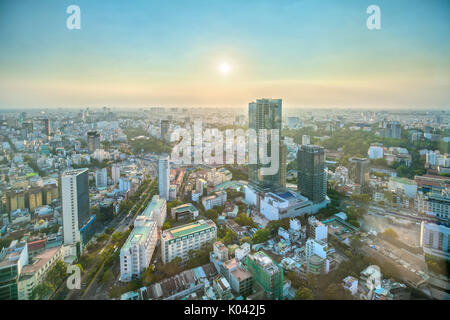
x=261 y=235
x=212 y=214
x=229 y=238
x=243 y=220
x=311 y=279
x=303 y=293
x=57 y=274
x=166 y=225
x=390 y=233
x=107 y=276
x=173 y=204
x=336 y=292
x=42 y=291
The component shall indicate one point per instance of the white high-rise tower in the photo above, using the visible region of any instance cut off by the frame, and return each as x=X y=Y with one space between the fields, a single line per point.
x=75 y=206
x=163 y=177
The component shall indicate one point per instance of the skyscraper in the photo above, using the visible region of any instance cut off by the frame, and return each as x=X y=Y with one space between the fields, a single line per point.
x=75 y=206
x=115 y=173
x=47 y=127
x=312 y=181
x=359 y=170
x=165 y=124
x=101 y=178
x=163 y=177
x=93 y=141
x=265 y=114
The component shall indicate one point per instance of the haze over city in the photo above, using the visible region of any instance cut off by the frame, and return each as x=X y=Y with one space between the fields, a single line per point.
x=221 y=155
x=314 y=54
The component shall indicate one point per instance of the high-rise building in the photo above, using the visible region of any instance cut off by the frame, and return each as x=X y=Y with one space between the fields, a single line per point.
x=293 y=122
x=163 y=177
x=306 y=140
x=265 y=114
x=359 y=170
x=266 y=273
x=165 y=125
x=115 y=173
x=12 y=260
x=93 y=138
x=283 y=165
x=392 y=129
x=47 y=127
x=312 y=179
x=136 y=253
x=75 y=206
x=178 y=241
x=435 y=240
x=101 y=178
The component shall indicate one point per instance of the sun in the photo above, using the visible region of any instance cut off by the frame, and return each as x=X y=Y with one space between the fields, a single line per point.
x=224 y=68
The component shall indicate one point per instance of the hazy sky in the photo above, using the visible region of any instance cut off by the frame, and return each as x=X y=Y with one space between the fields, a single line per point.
x=311 y=53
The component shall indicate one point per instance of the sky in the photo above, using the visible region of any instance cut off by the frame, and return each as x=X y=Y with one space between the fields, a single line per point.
x=224 y=53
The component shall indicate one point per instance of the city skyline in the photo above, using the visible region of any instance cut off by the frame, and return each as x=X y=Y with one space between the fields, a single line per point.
x=217 y=54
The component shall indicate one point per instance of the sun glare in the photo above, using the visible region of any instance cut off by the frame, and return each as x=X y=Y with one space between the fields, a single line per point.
x=224 y=68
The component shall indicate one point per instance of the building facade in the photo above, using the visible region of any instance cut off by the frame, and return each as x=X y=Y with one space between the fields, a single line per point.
x=265 y=114
x=75 y=206
x=163 y=177
x=178 y=241
x=312 y=180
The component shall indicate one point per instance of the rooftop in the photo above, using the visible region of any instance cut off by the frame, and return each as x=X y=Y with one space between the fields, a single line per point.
x=139 y=234
x=40 y=260
x=187 y=229
x=155 y=204
x=185 y=207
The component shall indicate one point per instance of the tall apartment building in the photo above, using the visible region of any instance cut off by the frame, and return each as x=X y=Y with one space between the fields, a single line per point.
x=391 y=129
x=136 y=253
x=101 y=178
x=435 y=240
x=165 y=126
x=265 y=114
x=178 y=241
x=75 y=206
x=124 y=184
x=312 y=179
x=93 y=138
x=163 y=177
x=47 y=127
x=359 y=170
x=115 y=173
x=12 y=261
x=316 y=229
x=266 y=273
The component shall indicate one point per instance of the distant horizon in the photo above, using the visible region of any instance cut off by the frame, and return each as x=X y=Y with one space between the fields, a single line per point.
x=305 y=108
x=223 y=54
